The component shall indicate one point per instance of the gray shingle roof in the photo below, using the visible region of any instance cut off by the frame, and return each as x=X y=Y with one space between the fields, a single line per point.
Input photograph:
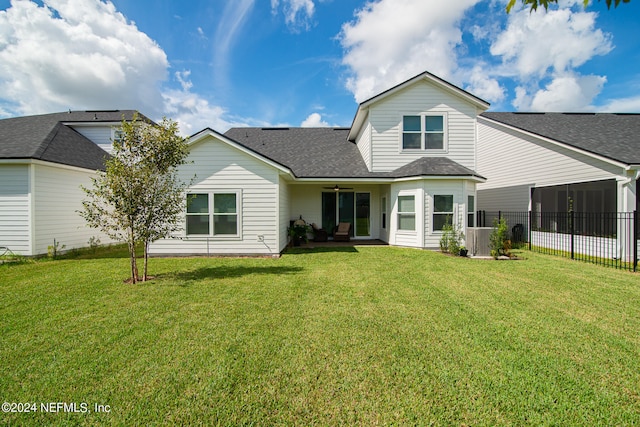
x=45 y=137
x=307 y=152
x=326 y=153
x=615 y=136
x=433 y=166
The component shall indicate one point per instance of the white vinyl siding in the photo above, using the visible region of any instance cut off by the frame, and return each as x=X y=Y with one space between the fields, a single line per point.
x=409 y=238
x=421 y=99
x=364 y=144
x=218 y=168
x=283 y=208
x=514 y=162
x=57 y=198
x=455 y=189
x=424 y=235
x=100 y=134
x=15 y=232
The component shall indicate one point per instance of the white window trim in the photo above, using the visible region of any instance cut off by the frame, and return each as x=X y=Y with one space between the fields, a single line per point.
x=434 y=213
x=212 y=235
x=471 y=213
x=117 y=133
x=423 y=132
x=384 y=218
x=415 y=213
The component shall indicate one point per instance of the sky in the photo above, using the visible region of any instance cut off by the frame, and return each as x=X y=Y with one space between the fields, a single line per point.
x=221 y=64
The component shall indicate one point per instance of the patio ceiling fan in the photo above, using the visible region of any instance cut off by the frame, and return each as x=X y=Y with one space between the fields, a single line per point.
x=338 y=188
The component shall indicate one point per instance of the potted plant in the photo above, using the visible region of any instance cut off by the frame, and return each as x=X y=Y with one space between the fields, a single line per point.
x=464 y=251
x=298 y=231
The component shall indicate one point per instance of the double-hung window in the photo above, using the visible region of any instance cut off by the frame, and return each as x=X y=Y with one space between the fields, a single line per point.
x=424 y=132
x=407 y=213
x=213 y=214
x=442 y=211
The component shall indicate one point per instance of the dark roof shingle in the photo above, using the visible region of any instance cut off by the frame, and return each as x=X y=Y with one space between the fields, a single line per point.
x=615 y=136
x=326 y=153
x=46 y=137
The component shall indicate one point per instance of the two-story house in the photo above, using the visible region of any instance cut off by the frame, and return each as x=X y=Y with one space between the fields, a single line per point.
x=405 y=166
x=43 y=161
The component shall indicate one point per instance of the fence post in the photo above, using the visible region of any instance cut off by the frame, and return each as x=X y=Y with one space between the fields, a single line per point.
x=571 y=230
x=530 y=230
x=635 y=241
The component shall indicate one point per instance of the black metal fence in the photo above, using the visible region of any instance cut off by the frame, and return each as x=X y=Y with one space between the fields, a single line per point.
x=610 y=239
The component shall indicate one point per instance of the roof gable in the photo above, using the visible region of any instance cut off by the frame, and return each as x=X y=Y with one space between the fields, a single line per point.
x=363 y=108
x=47 y=137
x=202 y=136
x=609 y=135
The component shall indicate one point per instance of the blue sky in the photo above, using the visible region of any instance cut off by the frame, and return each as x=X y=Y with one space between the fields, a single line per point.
x=308 y=62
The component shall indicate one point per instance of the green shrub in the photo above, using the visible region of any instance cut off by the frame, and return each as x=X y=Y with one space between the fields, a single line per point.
x=499 y=242
x=451 y=240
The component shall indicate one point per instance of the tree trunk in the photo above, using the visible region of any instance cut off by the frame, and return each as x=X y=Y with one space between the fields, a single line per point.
x=146 y=260
x=132 y=255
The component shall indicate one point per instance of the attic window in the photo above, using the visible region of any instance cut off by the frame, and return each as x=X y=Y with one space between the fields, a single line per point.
x=424 y=132
x=117 y=134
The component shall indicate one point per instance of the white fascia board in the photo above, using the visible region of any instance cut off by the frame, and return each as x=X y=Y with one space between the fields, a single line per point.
x=45 y=163
x=441 y=178
x=617 y=163
x=92 y=124
x=203 y=134
x=327 y=181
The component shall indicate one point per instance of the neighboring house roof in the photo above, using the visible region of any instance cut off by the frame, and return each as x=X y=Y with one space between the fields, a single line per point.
x=363 y=108
x=47 y=137
x=325 y=153
x=611 y=135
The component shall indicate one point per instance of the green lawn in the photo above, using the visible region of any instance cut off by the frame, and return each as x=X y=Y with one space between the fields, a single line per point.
x=364 y=336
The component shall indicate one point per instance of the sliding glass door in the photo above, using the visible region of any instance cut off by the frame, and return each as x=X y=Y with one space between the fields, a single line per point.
x=344 y=206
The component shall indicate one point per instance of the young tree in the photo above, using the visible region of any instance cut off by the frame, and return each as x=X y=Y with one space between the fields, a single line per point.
x=535 y=3
x=139 y=197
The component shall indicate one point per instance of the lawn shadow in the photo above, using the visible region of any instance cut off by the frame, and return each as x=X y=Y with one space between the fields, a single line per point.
x=225 y=272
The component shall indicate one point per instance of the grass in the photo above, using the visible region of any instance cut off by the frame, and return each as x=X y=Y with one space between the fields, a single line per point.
x=364 y=336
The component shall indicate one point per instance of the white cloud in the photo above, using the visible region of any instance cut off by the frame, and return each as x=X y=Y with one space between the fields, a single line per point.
x=571 y=92
x=547 y=48
x=561 y=39
x=85 y=54
x=314 y=120
x=297 y=13
x=392 y=40
x=484 y=86
x=622 y=105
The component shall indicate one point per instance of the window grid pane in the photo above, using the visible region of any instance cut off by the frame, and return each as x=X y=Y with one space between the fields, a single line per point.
x=224 y=203
x=411 y=124
x=443 y=203
x=406 y=204
x=224 y=224
x=198 y=203
x=439 y=220
x=411 y=141
x=198 y=224
x=434 y=123
x=407 y=222
x=434 y=141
